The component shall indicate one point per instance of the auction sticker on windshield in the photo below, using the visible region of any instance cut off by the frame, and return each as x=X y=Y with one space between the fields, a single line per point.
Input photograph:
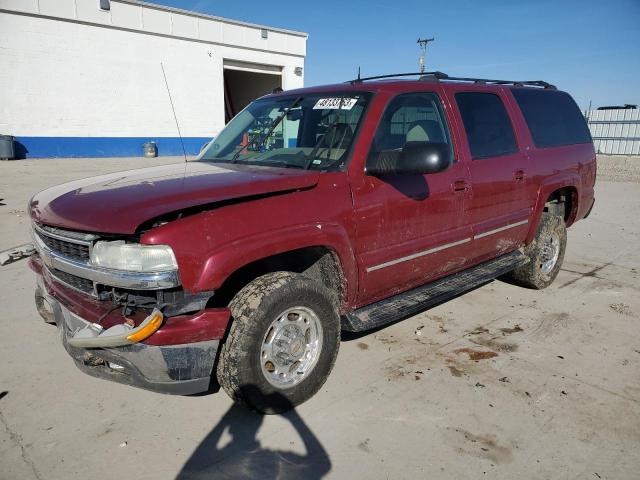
x=335 y=103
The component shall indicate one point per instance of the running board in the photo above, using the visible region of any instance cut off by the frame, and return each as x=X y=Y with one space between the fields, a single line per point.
x=414 y=301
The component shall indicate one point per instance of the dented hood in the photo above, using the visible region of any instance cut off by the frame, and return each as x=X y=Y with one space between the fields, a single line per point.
x=120 y=202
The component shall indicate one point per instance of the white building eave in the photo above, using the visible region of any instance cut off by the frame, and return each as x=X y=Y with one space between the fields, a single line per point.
x=215 y=18
x=151 y=19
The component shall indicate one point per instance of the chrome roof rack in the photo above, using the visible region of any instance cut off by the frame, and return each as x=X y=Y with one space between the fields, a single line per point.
x=394 y=75
x=437 y=76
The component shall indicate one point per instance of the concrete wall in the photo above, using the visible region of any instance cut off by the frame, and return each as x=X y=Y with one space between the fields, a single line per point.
x=619 y=168
x=79 y=81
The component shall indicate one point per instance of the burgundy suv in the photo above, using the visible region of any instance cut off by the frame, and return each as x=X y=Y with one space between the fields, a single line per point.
x=342 y=207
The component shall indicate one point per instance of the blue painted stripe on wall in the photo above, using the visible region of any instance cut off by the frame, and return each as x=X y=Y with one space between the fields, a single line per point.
x=49 y=147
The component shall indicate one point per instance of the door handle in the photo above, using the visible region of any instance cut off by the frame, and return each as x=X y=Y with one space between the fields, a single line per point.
x=460 y=186
x=519 y=175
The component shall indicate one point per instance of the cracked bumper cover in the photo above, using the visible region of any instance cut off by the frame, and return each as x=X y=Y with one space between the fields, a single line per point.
x=177 y=359
x=175 y=369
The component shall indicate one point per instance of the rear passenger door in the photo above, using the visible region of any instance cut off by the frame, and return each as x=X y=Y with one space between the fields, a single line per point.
x=498 y=207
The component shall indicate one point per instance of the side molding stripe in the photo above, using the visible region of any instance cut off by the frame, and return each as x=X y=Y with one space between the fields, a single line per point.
x=413 y=256
x=417 y=255
x=500 y=229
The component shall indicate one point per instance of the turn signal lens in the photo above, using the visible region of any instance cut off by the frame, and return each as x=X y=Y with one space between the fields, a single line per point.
x=153 y=323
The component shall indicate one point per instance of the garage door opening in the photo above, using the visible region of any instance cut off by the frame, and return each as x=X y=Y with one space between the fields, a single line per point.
x=242 y=86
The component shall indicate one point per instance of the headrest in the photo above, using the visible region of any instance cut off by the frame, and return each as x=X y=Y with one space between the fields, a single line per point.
x=425 y=131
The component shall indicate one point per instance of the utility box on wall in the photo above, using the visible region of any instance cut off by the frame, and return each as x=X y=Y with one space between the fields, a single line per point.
x=7 y=148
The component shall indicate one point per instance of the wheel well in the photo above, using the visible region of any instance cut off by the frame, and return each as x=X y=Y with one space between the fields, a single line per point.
x=564 y=202
x=319 y=263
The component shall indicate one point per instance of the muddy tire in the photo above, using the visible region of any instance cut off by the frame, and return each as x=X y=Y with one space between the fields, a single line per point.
x=282 y=344
x=545 y=252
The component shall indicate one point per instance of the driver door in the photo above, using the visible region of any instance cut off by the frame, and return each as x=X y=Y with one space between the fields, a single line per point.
x=410 y=228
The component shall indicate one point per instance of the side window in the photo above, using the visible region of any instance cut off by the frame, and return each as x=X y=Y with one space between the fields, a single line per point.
x=410 y=117
x=487 y=125
x=553 y=117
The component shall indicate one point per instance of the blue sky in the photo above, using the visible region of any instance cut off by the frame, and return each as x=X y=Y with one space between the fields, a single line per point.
x=589 y=48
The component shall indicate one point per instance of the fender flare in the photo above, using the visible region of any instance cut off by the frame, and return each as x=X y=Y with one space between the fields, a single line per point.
x=228 y=258
x=546 y=188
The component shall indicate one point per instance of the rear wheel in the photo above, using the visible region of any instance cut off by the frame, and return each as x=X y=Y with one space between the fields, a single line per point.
x=545 y=252
x=282 y=344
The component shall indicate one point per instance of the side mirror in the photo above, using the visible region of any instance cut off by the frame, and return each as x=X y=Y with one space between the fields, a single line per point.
x=294 y=114
x=424 y=157
x=415 y=158
x=203 y=147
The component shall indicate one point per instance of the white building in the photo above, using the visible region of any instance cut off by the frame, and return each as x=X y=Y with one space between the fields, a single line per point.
x=84 y=78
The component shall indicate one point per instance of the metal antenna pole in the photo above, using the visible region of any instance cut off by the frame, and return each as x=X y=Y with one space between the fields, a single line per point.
x=423 y=45
x=184 y=151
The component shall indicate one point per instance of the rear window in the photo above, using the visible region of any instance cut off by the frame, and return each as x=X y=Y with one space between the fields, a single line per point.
x=553 y=117
x=487 y=125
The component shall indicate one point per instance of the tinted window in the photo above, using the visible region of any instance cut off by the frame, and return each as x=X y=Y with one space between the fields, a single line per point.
x=487 y=124
x=411 y=117
x=553 y=117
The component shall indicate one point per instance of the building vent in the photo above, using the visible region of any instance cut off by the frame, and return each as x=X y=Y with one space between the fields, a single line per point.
x=105 y=5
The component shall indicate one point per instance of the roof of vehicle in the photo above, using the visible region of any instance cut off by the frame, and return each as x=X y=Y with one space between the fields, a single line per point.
x=397 y=82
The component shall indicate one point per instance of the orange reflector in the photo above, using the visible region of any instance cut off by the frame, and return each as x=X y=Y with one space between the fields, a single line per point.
x=153 y=324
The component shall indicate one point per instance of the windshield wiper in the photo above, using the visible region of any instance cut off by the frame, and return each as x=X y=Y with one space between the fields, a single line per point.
x=267 y=163
x=272 y=127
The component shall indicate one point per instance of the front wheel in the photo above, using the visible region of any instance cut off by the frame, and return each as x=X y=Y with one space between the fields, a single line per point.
x=545 y=252
x=282 y=344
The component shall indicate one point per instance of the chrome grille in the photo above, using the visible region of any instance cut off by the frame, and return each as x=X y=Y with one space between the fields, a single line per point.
x=74 y=246
x=82 y=284
x=68 y=249
x=71 y=244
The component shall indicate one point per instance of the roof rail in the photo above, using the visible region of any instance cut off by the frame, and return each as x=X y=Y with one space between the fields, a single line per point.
x=517 y=83
x=443 y=76
x=393 y=75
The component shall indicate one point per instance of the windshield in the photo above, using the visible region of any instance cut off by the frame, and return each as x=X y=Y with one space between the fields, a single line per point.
x=308 y=131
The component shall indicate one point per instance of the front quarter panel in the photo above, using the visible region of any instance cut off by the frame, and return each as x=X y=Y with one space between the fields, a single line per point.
x=211 y=245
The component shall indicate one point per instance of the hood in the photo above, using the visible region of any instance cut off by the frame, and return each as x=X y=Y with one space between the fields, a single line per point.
x=120 y=202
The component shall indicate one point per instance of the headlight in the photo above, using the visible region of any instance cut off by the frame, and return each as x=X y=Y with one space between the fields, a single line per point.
x=133 y=257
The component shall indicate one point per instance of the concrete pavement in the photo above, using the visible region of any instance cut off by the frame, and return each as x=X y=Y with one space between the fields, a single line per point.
x=500 y=383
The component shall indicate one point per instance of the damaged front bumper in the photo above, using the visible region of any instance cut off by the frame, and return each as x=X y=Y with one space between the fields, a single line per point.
x=177 y=358
x=176 y=369
x=93 y=335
